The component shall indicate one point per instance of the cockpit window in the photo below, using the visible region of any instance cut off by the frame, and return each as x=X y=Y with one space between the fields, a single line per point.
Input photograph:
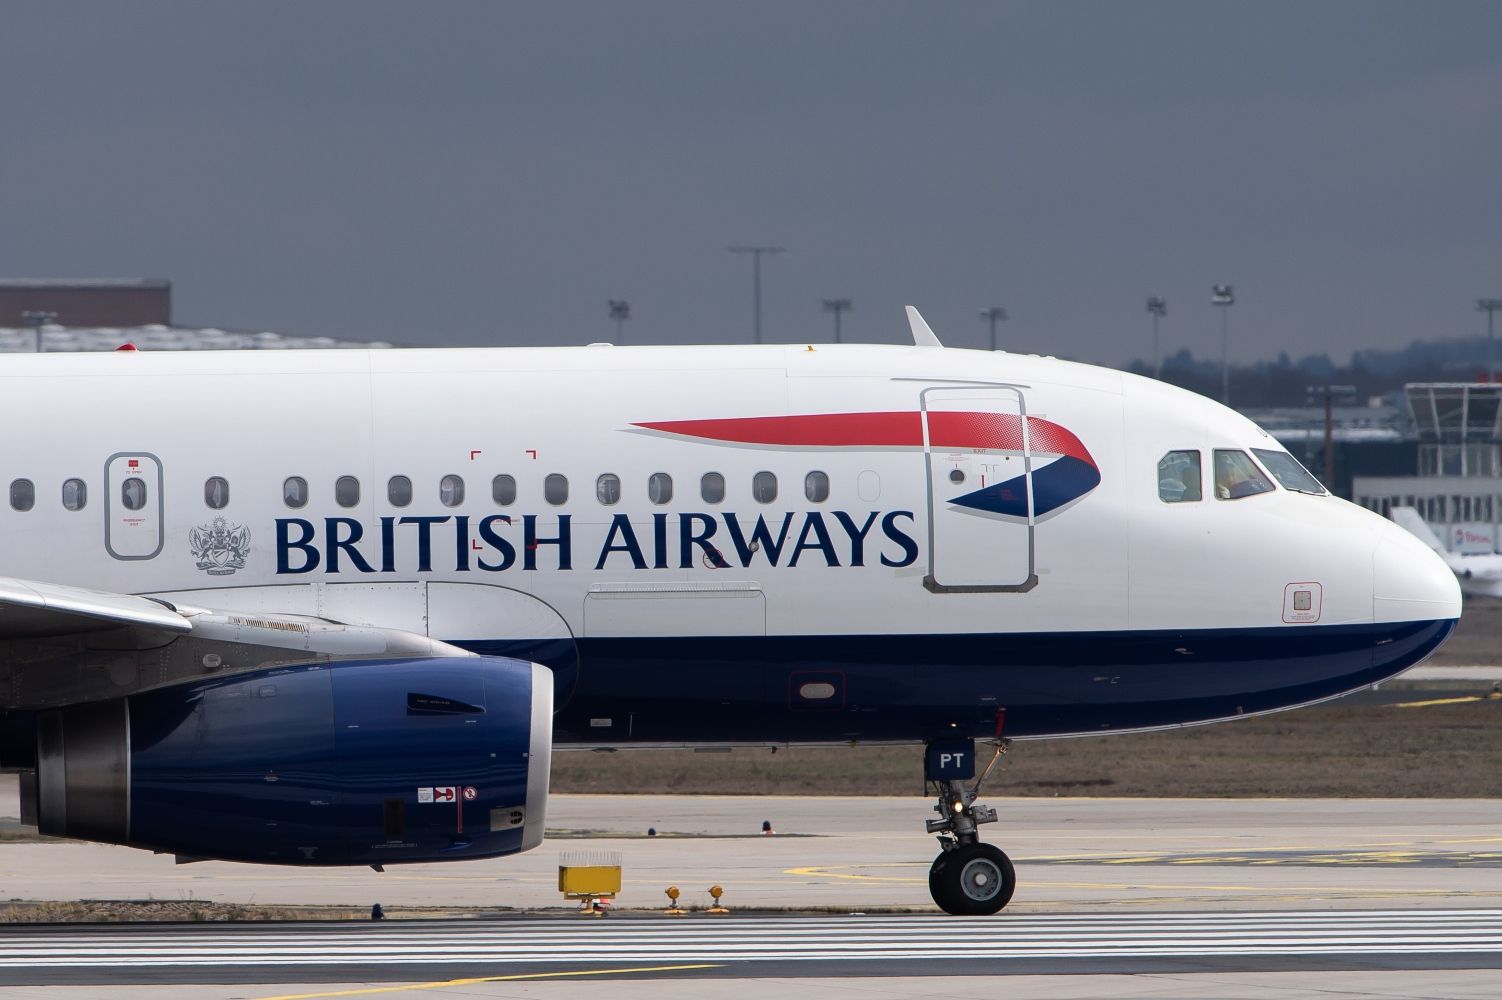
x=1237 y=476
x=1287 y=470
x=1179 y=477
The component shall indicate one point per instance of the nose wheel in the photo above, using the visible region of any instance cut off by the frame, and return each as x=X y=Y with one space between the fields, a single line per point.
x=968 y=878
x=974 y=880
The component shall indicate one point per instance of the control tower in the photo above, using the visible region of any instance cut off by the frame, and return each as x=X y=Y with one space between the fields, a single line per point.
x=1458 y=488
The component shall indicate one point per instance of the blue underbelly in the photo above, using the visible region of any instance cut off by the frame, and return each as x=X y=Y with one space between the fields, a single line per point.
x=916 y=687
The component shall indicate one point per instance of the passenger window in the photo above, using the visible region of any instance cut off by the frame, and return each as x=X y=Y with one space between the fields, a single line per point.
x=75 y=494
x=1179 y=477
x=23 y=495
x=399 y=491
x=1237 y=476
x=1287 y=470
x=133 y=494
x=608 y=489
x=451 y=491
x=712 y=487
x=816 y=486
x=555 y=489
x=216 y=492
x=503 y=490
x=764 y=487
x=346 y=491
x=660 y=488
x=295 y=491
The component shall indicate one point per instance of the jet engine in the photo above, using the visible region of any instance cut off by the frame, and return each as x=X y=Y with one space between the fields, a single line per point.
x=345 y=763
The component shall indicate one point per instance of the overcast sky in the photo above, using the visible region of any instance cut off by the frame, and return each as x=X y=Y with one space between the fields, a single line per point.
x=492 y=173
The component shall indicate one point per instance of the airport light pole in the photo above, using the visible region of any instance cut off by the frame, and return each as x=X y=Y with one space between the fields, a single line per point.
x=756 y=254
x=1346 y=394
x=620 y=311
x=993 y=315
x=837 y=306
x=1224 y=297
x=36 y=320
x=1158 y=307
x=1489 y=306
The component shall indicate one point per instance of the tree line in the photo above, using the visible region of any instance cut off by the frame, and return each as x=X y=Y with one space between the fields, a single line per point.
x=1286 y=382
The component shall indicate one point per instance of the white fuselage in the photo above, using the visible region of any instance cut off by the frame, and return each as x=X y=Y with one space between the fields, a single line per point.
x=620 y=558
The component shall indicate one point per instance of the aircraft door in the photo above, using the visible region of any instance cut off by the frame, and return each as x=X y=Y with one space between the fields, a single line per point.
x=133 y=505
x=980 y=506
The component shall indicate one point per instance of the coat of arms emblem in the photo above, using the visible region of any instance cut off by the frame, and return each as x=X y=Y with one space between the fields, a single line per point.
x=220 y=547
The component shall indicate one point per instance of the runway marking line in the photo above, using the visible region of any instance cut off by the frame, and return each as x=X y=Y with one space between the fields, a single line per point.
x=1292 y=893
x=1266 y=857
x=1440 y=701
x=1284 y=891
x=442 y=984
x=827 y=872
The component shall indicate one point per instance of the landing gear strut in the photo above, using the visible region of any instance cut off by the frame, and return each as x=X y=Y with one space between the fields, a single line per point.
x=968 y=878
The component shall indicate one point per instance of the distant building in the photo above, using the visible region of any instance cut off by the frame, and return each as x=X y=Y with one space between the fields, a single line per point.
x=1458 y=488
x=164 y=338
x=1458 y=428
x=1372 y=440
x=102 y=314
x=87 y=302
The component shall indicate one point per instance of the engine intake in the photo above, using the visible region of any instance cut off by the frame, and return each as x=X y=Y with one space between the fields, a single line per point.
x=349 y=763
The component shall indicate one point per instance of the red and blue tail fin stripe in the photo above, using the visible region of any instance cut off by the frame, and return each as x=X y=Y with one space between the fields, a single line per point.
x=1072 y=475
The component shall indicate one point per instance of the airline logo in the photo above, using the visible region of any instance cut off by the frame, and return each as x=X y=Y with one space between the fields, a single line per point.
x=219 y=547
x=1064 y=470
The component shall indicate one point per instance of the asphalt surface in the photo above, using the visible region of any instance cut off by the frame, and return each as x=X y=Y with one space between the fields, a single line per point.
x=843 y=854
x=752 y=947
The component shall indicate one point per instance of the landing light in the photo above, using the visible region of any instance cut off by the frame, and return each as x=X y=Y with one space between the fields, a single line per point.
x=957 y=806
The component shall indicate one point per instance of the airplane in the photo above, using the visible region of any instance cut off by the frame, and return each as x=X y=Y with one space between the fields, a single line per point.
x=339 y=607
x=1479 y=574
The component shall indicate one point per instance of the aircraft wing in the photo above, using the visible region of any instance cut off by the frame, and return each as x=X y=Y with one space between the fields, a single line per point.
x=61 y=644
x=31 y=609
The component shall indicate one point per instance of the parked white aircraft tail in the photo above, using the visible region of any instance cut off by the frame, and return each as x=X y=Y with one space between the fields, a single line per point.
x=1479 y=574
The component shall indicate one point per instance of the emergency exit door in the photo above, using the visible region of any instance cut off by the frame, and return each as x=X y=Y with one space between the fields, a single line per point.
x=980 y=497
x=133 y=505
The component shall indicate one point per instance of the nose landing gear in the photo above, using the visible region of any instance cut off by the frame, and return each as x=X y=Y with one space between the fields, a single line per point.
x=968 y=878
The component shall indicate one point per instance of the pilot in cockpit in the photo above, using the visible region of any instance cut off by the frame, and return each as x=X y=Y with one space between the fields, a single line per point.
x=1237 y=477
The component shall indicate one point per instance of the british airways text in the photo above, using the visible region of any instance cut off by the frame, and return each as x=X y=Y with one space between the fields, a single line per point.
x=501 y=542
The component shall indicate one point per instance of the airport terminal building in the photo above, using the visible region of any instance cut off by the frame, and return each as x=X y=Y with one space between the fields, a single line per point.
x=104 y=314
x=1458 y=485
x=54 y=338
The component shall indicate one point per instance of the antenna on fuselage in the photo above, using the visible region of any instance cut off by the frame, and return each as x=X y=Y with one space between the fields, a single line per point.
x=923 y=336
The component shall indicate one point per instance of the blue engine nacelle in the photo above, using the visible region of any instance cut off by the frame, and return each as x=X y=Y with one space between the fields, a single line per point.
x=345 y=763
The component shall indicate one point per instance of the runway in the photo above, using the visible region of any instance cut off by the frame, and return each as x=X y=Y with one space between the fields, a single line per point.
x=1072 y=856
x=1225 y=898
x=742 y=947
